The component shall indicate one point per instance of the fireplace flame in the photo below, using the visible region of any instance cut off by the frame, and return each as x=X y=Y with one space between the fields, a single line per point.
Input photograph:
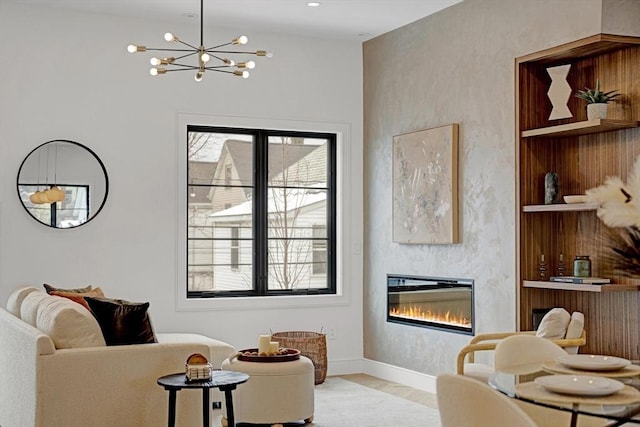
x=416 y=313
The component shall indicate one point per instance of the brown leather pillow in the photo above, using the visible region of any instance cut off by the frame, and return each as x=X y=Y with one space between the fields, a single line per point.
x=50 y=289
x=122 y=322
x=79 y=296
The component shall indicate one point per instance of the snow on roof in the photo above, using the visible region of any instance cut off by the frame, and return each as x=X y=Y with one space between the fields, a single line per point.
x=296 y=198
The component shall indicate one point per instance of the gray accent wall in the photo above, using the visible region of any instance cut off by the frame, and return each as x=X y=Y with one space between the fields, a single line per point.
x=457 y=66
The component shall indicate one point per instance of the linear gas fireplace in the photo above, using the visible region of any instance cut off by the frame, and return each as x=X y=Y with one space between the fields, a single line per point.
x=431 y=302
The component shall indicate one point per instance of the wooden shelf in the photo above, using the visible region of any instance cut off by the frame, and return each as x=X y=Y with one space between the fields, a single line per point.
x=561 y=207
x=609 y=287
x=581 y=128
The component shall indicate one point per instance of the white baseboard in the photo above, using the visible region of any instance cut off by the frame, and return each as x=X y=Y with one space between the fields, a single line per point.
x=399 y=375
x=384 y=371
x=344 y=367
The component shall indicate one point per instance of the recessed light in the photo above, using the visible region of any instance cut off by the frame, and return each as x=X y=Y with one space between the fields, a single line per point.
x=313 y=4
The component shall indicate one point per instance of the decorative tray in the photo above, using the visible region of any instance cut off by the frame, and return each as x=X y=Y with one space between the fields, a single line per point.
x=286 y=355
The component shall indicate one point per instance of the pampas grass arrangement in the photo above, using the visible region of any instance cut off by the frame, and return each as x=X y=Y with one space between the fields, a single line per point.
x=619 y=208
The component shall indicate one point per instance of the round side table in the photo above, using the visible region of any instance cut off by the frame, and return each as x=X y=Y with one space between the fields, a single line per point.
x=226 y=381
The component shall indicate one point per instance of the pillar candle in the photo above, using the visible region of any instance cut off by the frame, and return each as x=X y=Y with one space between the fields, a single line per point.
x=274 y=346
x=263 y=343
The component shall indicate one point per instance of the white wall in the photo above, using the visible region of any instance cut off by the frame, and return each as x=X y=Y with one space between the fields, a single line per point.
x=67 y=75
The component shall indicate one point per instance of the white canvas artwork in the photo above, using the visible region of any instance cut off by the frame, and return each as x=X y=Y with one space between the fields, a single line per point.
x=425 y=186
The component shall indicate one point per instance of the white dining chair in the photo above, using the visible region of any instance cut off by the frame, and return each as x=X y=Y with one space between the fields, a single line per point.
x=522 y=354
x=465 y=402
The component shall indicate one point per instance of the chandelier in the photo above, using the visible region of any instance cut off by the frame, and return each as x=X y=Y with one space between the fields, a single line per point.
x=208 y=59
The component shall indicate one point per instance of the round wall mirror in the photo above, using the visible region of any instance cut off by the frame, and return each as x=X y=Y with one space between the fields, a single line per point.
x=62 y=184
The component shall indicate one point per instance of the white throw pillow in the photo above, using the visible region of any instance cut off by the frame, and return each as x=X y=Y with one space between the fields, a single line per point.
x=574 y=330
x=29 y=307
x=554 y=324
x=68 y=324
x=15 y=299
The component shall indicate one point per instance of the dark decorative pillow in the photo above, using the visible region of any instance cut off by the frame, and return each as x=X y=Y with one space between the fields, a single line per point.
x=50 y=289
x=122 y=322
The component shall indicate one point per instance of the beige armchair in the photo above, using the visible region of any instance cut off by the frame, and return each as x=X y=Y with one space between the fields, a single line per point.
x=570 y=339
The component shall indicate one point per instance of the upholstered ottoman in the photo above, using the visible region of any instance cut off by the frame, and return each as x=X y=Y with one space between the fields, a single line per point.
x=276 y=393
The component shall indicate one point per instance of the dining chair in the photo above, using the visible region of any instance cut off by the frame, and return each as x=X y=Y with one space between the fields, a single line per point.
x=465 y=402
x=522 y=354
x=557 y=325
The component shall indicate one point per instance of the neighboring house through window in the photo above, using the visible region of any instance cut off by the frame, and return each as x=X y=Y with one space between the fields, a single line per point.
x=268 y=224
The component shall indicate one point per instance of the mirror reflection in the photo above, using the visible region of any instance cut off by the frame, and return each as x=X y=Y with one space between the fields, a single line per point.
x=62 y=184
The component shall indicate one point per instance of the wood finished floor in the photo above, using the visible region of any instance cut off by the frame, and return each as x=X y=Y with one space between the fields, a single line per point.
x=399 y=390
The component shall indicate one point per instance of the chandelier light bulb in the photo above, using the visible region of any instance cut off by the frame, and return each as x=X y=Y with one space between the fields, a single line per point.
x=249 y=64
x=243 y=74
x=205 y=57
x=198 y=76
x=264 y=53
x=170 y=37
x=155 y=71
x=240 y=40
x=155 y=61
x=133 y=48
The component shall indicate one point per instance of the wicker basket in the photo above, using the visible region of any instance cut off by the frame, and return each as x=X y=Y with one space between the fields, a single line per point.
x=311 y=344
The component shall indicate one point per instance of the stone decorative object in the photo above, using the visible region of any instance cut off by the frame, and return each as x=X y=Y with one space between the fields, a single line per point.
x=550 y=188
x=559 y=92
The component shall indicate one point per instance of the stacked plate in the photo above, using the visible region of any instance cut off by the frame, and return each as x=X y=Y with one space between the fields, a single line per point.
x=585 y=385
x=592 y=362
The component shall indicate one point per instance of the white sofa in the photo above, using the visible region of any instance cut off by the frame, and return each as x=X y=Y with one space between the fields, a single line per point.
x=108 y=386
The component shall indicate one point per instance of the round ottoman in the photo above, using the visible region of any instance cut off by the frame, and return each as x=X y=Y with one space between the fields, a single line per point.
x=276 y=393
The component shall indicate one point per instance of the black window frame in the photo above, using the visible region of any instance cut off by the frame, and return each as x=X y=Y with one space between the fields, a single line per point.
x=260 y=215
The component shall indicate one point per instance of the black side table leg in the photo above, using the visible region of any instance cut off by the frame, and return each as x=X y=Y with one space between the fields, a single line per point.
x=206 y=408
x=228 y=400
x=172 y=408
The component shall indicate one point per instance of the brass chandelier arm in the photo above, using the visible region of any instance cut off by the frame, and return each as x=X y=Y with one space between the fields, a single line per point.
x=164 y=65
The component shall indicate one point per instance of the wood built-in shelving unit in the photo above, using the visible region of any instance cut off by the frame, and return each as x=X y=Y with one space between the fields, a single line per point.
x=583 y=153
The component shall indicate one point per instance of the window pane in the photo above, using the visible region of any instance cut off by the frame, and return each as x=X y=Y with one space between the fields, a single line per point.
x=220 y=159
x=297 y=162
x=291 y=265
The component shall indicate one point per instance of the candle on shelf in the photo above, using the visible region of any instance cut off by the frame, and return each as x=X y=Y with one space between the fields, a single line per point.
x=274 y=346
x=264 y=344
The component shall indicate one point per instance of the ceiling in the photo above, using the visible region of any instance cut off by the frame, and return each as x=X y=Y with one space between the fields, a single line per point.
x=342 y=19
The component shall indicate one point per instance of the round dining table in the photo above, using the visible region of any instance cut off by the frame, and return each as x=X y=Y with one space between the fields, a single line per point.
x=620 y=408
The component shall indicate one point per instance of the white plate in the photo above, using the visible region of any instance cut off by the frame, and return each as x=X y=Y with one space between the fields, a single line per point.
x=592 y=362
x=580 y=385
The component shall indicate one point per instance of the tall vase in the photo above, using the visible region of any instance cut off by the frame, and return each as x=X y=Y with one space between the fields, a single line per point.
x=597 y=111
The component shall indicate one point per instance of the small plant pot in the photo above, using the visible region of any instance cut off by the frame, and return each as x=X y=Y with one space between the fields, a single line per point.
x=596 y=111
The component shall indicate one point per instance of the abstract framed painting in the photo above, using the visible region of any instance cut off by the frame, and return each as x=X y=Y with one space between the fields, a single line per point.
x=425 y=186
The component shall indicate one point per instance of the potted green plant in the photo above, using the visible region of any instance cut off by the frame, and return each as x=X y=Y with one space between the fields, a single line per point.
x=596 y=101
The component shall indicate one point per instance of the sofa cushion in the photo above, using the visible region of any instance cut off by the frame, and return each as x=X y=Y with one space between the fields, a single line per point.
x=68 y=324
x=554 y=324
x=15 y=299
x=122 y=322
x=50 y=288
x=78 y=297
x=29 y=307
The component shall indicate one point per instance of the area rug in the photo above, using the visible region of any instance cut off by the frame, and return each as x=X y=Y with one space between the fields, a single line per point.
x=343 y=403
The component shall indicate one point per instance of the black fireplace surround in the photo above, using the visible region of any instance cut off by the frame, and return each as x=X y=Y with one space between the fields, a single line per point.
x=440 y=303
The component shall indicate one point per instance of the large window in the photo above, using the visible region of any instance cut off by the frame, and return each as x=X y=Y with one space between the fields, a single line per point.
x=261 y=212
